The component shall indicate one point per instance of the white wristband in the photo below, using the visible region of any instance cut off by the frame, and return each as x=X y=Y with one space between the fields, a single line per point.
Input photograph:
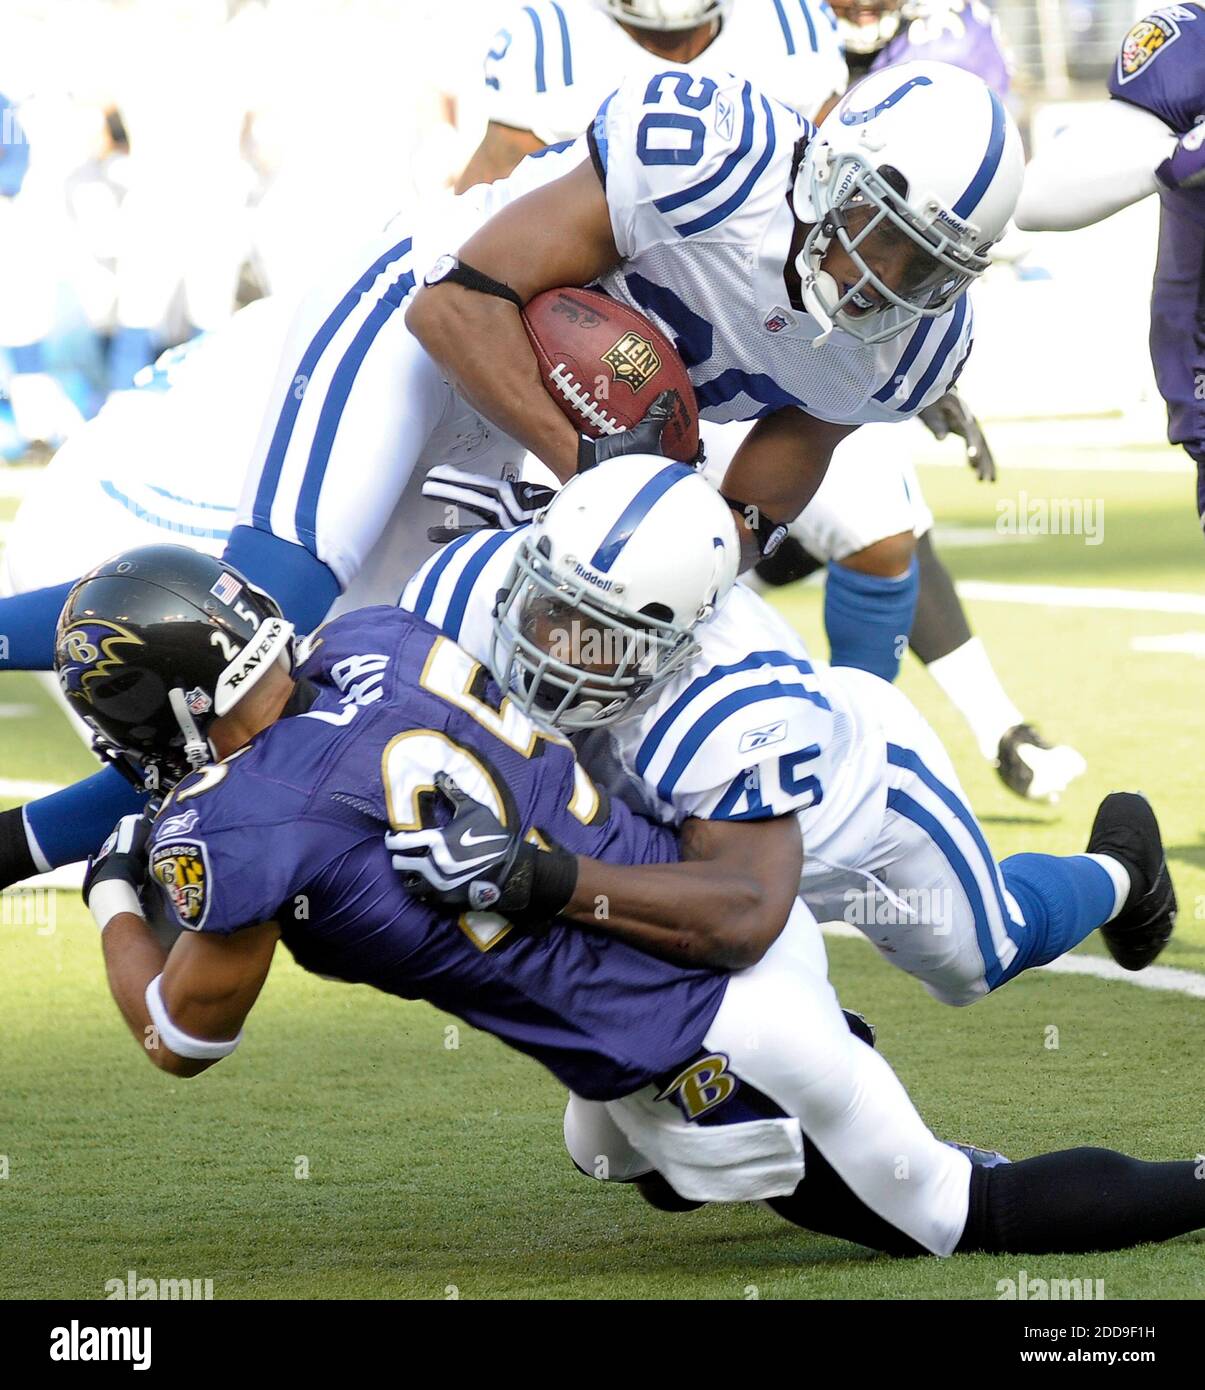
x=111 y=897
x=176 y=1039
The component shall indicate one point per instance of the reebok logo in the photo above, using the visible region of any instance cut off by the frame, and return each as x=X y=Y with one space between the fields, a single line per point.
x=754 y=739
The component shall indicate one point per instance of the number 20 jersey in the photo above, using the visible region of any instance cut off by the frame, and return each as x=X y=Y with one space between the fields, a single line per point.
x=292 y=827
x=697 y=171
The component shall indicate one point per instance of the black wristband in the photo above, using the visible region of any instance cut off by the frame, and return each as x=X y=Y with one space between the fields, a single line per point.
x=549 y=878
x=769 y=534
x=477 y=280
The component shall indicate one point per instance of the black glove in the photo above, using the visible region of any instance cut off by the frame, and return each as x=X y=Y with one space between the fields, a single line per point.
x=950 y=415
x=644 y=438
x=500 y=502
x=117 y=870
x=474 y=863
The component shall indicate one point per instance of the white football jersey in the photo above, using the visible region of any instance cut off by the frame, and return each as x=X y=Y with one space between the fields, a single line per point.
x=697 y=170
x=552 y=63
x=750 y=729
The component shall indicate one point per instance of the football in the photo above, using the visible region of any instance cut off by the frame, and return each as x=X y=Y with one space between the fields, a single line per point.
x=604 y=364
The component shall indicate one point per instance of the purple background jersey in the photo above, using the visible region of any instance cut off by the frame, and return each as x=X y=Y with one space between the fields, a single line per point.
x=292 y=829
x=1161 y=68
x=963 y=33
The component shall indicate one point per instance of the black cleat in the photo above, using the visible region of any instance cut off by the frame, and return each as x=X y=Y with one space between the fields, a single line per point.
x=658 y=1193
x=1126 y=829
x=1033 y=768
x=860 y=1026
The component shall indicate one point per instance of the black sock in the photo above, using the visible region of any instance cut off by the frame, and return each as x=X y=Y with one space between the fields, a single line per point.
x=823 y=1203
x=16 y=862
x=1081 y=1199
x=940 y=625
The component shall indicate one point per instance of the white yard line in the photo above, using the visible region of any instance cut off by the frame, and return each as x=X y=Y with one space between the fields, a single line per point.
x=1172 y=643
x=1074 y=596
x=21 y=789
x=1167 y=978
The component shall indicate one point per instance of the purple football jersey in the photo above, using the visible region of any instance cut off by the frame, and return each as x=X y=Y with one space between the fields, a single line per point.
x=963 y=33
x=1161 y=68
x=292 y=827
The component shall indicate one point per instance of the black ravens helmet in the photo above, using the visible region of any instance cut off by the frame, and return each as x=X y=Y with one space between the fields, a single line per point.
x=157 y=643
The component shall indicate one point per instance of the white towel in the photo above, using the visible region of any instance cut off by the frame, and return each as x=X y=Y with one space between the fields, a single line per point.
x=713 y=1163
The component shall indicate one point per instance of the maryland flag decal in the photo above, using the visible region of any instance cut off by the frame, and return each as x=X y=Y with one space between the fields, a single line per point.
x=1146 y=40
x=181 y=868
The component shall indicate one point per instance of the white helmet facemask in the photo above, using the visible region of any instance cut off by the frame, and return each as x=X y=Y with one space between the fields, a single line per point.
x=570 y=658
x=862 y=209
x=866 y=26
x=665 y=15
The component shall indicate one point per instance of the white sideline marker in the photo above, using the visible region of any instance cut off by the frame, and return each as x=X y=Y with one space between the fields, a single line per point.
x=1169 y=979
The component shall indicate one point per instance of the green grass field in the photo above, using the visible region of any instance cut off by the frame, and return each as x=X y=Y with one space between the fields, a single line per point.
x=434 y=1170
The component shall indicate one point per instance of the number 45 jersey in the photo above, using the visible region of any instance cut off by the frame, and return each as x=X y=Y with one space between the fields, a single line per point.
x=748 y=730
x=291 y=828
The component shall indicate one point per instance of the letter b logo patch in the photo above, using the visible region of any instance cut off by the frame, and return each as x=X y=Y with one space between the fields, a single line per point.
x=701 y=1086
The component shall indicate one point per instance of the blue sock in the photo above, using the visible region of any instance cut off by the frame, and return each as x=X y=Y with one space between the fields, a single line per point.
x=1063 y=899
x=868 y=618
x=130 y=351
x=27 y=627
x=303 y=586
x=72 y=824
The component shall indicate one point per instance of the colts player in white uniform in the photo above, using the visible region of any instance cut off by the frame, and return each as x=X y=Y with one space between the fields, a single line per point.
x=690 y=697
x=552 y=63
x=721 y=714
x=805 y=292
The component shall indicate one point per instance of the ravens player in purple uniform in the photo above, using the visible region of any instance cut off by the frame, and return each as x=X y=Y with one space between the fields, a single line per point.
x=1150 y=138
x=734 y=1083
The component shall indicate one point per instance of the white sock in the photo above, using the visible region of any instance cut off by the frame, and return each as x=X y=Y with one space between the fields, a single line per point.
x=971 y=684
x=1120 y=875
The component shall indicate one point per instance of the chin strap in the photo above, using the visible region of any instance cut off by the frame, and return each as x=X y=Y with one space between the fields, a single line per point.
x=812 y=281
x=198 y=751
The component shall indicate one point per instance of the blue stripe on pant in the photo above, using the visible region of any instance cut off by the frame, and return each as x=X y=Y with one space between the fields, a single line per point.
x=1061 y=899
x=282 y=435
x=994 y=970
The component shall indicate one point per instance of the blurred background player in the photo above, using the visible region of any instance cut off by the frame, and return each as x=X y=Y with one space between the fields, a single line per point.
x=552 y=64
x=1149 y=139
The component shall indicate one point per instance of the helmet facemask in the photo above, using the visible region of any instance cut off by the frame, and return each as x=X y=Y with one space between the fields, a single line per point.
x=665 y=16
x=866 y=26
x=862 y=211
x=571 y=660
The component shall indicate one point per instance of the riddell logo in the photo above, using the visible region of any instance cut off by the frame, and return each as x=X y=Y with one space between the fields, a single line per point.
x=950 y=220
x=590 y=577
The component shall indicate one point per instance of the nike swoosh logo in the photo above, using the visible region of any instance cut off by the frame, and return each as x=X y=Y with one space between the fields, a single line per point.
x=468 y=838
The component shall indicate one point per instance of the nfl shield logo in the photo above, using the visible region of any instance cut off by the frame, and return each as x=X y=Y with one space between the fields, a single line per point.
x=776 y=323
x=634 y=361
x=197 y=701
